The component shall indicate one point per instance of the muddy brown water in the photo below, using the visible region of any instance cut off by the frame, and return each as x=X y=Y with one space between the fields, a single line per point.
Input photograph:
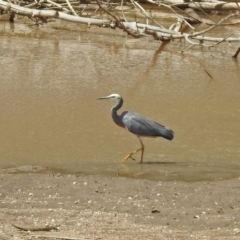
x=50 y=79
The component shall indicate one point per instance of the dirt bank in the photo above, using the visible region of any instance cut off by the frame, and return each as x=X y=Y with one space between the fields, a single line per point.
x=97 y=207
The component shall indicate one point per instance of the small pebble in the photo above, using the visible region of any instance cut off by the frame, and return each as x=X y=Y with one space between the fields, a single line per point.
x=155 y=211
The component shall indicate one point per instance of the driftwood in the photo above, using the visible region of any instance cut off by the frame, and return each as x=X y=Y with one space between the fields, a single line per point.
x=36 y=229
x=204 y=5
x=215 y=6
x=70 y=10
x=49 y=14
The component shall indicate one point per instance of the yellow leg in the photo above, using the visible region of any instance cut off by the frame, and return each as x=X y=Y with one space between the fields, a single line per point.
x=130 y=154
x=142 y=150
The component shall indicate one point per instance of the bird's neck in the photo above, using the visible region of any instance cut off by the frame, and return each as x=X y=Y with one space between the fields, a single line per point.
x=114 y=110
x=117 y=106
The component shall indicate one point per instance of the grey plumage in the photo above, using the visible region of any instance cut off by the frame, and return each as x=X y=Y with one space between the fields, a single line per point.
x=137 y=124
x=144 y=127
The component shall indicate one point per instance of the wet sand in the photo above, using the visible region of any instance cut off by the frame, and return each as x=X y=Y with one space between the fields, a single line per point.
x=98 y=207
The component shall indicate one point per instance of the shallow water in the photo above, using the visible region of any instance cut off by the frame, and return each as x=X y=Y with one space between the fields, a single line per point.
x=51 y=78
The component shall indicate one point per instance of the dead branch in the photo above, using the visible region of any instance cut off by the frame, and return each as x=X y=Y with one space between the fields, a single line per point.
x=163 y=33
x=119 y=22
x=59 y=6
x=208 y=73
x=68 y=9
x=224 y=39
x=71 y=8
x=143 y=11
x=179 y=16
x=208 y=5
x=236 y=53
x=219 y=6
x=55 y=237
x=9 y=7
x=35 y=229
x=217 y=24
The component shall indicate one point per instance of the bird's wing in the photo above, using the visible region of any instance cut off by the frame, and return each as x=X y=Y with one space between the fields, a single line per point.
x=143 y=126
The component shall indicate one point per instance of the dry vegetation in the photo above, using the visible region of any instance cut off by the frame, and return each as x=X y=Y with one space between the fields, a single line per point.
x=190 y=22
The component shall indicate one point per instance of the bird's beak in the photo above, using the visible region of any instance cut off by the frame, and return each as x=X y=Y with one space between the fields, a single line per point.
x=107 y=97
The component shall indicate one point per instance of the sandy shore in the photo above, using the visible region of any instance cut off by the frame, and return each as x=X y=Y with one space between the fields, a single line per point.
x=58 y=206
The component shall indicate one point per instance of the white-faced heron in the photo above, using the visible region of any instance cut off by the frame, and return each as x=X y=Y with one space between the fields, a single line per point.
x=137 y=124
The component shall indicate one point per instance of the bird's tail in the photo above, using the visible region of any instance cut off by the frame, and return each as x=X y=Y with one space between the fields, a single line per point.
x=167 y=133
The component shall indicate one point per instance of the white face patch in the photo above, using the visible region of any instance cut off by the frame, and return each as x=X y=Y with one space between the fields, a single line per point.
x=114 y=96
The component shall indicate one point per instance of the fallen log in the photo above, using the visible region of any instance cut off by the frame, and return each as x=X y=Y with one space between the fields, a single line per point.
x=50 y=14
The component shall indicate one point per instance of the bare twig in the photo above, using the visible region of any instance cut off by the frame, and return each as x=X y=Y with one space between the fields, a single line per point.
x=123 y=11
x=236 y=53
x=57 y=5
x=169 y=7
x=186 y=49
x=217 y=6
x=217 y=24
x=223 y=40
x=208 y=73
x=177 y=26
x=71 y=8
x=199 y=7
x=143 y=11
x=118 y=21
x=35 y=229
x=56 y=237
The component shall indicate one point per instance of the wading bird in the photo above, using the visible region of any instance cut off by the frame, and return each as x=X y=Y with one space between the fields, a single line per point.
x=137 y=124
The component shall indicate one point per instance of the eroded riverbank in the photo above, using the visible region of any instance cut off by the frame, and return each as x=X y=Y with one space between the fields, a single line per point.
x=98 y=207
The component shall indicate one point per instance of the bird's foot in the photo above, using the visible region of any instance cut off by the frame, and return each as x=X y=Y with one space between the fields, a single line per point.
x=132 y=158
x=127 y=157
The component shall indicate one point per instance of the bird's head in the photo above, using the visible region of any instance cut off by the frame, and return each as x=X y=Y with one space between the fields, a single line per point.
x=111 y=96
